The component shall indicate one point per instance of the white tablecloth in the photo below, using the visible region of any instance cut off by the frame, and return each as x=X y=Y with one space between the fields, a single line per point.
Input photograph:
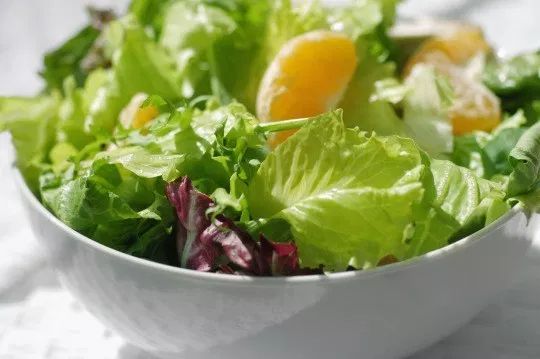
x=39 y=319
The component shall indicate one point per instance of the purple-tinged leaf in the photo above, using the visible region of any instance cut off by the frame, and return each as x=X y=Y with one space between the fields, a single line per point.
x=220 y=245
x=281 y=257
x=239 y=247
x=194 y=250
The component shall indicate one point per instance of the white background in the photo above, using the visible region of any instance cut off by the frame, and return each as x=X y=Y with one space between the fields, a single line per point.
x=38 y=319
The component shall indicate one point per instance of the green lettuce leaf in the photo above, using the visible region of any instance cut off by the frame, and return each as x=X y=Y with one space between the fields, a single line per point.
x=328 y=183
x=487 y=153
x=425 y=111
x=149 y=12
x=113 y=207
x=190 y=31
x=425 y=99
x=525 y=162
x=460 y=192
x=75 y=107
x=74 y=57
x=218 y=148
x=351 y=199
x=518 y=75
x=139 y=66
x=31 y=122
x=516 y=81
x=358 y=108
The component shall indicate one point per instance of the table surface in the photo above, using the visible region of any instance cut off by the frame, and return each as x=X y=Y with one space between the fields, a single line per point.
x=39 y=319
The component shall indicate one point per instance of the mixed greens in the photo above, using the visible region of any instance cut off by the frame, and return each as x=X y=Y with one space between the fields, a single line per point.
x=145 y=138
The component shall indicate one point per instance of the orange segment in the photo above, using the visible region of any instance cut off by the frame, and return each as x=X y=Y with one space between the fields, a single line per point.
x=457 y=46
x=133 y=116
x=144 y=115
x=307 y=77
x=475 y=107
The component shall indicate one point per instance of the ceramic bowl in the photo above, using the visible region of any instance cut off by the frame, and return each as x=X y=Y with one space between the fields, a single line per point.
x=389 y=312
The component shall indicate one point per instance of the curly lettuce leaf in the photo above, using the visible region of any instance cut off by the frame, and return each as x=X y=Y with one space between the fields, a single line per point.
x=31 y=122
x=113 y=207
x=139 y=65
x=487 y=153
x=328 y=183
x=218 y=148
x=460 y=192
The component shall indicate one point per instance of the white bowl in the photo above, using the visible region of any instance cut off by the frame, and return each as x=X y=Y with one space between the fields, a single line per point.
x=389 y=312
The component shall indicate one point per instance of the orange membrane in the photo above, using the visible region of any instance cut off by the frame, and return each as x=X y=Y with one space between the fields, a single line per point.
x=475 y=106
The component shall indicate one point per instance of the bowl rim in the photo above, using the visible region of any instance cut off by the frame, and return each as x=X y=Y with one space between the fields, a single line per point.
x=426 y=258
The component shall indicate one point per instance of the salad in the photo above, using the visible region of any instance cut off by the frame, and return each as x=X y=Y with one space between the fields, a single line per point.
x=271 y=139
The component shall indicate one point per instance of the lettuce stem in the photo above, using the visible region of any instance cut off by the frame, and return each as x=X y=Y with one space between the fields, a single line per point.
x=278 y=126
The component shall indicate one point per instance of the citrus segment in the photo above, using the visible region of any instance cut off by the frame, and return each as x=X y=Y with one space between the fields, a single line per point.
x=457 y=46
x=307 y=77
x=475 y=107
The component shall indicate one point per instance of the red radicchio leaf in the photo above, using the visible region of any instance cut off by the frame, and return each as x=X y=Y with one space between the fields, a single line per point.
x=195 y=251
x=281 y=257
x=239 y=247
x=202 y=244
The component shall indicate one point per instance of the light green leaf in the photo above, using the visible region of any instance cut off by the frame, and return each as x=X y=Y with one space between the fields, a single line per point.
x=425 y=111
x=190 y=31
x=139 y=65
x=329 y=184
x=425 y=98
x=358 y=108
x=460 y=191
x=31 y=122
x=145 y=164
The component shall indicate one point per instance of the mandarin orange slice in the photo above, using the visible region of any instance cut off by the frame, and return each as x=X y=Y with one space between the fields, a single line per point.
x=475 y=107
x=307 y=77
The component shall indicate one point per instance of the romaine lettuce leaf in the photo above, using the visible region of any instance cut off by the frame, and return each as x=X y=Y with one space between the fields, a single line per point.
x=328 y=183
x=460 y=192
